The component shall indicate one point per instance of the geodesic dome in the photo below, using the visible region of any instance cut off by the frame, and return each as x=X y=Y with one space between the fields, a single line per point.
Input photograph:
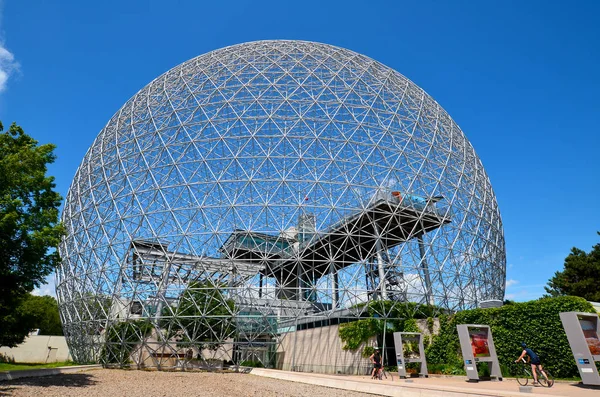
x=262 y=184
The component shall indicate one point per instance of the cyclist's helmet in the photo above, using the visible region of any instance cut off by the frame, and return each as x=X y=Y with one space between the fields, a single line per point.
x=523 y=345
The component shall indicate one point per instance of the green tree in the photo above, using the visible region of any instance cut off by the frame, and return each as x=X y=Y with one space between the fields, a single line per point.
x=29 y=227
x=579 y=277
x=204 y=315
x=42 y=313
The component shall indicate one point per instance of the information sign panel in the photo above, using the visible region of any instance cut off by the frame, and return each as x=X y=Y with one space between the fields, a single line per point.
x=477 y=346
x=582 y=334
x=409 y=349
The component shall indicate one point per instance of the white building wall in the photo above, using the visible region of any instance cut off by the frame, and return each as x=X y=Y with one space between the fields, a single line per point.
x=39 y=349
x=320 y=350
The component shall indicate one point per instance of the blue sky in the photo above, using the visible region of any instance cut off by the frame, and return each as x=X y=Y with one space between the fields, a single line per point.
x=520 y=78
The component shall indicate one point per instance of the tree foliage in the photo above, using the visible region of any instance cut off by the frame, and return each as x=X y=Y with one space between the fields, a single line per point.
x=29 y=227
x=204 y=315
x=30 y=313
x=42 y=313
x=580 y=275
x=383 y=314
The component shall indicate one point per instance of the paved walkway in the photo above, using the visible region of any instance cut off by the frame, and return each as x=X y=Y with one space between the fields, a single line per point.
x=425 y=387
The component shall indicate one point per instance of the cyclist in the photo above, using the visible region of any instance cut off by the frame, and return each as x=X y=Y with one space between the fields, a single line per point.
x=534 y=360
x=376 y=360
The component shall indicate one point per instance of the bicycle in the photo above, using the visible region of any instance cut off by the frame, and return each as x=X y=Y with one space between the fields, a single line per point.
x=382 y=373
x=525 y=375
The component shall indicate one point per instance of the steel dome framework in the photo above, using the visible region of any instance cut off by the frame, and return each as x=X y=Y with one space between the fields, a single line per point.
x=257 y=186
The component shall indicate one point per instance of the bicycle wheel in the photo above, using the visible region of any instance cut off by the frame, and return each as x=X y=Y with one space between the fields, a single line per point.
x=523 y=377
x=550 y=379
x=387 y=374
x=547 y=383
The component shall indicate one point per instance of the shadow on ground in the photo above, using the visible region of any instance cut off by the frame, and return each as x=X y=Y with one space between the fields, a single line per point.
x=589 y=387
x=64 y=380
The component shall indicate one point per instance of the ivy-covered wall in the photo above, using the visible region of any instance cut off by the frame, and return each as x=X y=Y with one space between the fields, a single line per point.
x=383 y=314
x=537 y=323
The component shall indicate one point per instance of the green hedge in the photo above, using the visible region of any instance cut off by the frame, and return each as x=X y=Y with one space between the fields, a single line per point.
x=536 y=323
x=253 y=364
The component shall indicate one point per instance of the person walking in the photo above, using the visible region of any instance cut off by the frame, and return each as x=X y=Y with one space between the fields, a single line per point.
x=534 y=360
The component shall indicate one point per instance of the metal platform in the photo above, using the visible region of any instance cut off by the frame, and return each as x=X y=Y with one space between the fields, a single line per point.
x=151 y=260
x=355 y=238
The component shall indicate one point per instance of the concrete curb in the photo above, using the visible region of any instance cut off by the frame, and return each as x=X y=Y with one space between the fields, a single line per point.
x=396 y=389
x=32 y=373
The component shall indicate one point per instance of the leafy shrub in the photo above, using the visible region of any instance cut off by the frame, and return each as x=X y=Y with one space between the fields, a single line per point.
x=357 y=332
x=446 y=369
x=430 y=324
x=253 y=364
x=367 y=351
x=380 y=314
x=5 y=358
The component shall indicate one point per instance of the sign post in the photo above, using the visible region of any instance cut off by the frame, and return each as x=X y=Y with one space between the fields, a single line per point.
x=413 y=353
x=582 y=334
x=477 y=346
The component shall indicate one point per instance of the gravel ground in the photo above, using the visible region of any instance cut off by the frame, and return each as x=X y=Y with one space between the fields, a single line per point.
x=113 y=383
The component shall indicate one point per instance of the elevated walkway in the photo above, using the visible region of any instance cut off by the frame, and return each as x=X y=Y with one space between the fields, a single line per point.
x=150 y=259
x=391 y=220
x=388 y=221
